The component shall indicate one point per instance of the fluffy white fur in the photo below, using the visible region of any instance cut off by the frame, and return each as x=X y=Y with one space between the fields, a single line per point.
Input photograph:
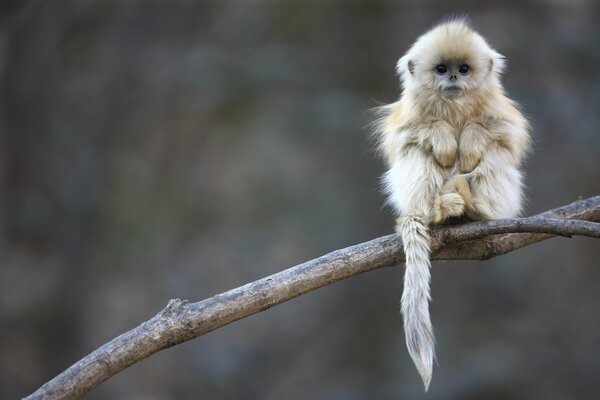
x=450 y=153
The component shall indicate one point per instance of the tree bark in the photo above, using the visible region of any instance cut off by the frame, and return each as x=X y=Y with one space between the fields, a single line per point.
x=181 y=321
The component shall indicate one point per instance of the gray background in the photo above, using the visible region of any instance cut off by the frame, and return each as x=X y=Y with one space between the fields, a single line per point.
x=152 y=150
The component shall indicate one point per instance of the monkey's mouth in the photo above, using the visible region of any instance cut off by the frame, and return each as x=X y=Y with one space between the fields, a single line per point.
x=452 y=91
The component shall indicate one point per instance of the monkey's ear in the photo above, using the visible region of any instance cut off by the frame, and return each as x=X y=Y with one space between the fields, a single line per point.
x=497 y=63
x=405 y=65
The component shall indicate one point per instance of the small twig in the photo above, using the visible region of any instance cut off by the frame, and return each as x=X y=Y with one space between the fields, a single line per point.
x=181 y=321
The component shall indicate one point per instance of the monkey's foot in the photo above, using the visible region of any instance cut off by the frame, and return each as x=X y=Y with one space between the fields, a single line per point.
x=447 y=205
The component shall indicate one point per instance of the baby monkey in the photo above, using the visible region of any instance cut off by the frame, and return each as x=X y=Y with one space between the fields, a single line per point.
x=453 y=144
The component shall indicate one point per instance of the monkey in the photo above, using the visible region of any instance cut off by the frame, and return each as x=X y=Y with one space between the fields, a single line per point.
x=453 y=144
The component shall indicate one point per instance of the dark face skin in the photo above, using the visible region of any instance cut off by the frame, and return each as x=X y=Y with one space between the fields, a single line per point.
x=452 y=77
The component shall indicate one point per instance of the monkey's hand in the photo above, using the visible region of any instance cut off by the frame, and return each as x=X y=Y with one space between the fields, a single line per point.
x=474 y=139
x=443 y=143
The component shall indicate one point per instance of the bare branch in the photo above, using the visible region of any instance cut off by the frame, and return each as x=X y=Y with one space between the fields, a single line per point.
x=181 y=321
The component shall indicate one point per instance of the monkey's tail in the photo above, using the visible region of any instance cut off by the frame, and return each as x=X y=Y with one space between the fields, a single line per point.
x=415 y=298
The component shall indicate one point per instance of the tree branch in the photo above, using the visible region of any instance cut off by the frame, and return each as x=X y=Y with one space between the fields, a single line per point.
x=181 y=321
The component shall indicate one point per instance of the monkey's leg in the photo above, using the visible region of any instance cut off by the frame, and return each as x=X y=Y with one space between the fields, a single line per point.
x=443 y=141
x=473 y=141
x=496 y=185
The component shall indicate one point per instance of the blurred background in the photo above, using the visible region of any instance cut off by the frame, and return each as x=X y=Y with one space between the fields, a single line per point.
x=152 y=150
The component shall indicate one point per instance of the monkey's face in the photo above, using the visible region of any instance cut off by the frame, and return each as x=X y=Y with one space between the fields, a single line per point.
x=452 y=78
x=451 y=62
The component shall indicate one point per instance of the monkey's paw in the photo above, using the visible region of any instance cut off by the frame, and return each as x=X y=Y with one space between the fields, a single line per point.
x=446 y=206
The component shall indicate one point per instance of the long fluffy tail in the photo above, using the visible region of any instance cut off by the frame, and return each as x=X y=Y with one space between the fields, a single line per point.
x=415 y=298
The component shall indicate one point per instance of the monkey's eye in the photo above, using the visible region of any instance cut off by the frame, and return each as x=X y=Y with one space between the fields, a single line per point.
x=441 y=69
x=463 y=69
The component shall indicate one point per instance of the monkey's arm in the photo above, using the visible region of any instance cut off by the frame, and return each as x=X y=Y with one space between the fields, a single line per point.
x=496 y=185
x=490 y=152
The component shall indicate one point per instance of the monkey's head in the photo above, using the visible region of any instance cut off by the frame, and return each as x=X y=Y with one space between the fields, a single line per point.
x=451 y=61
